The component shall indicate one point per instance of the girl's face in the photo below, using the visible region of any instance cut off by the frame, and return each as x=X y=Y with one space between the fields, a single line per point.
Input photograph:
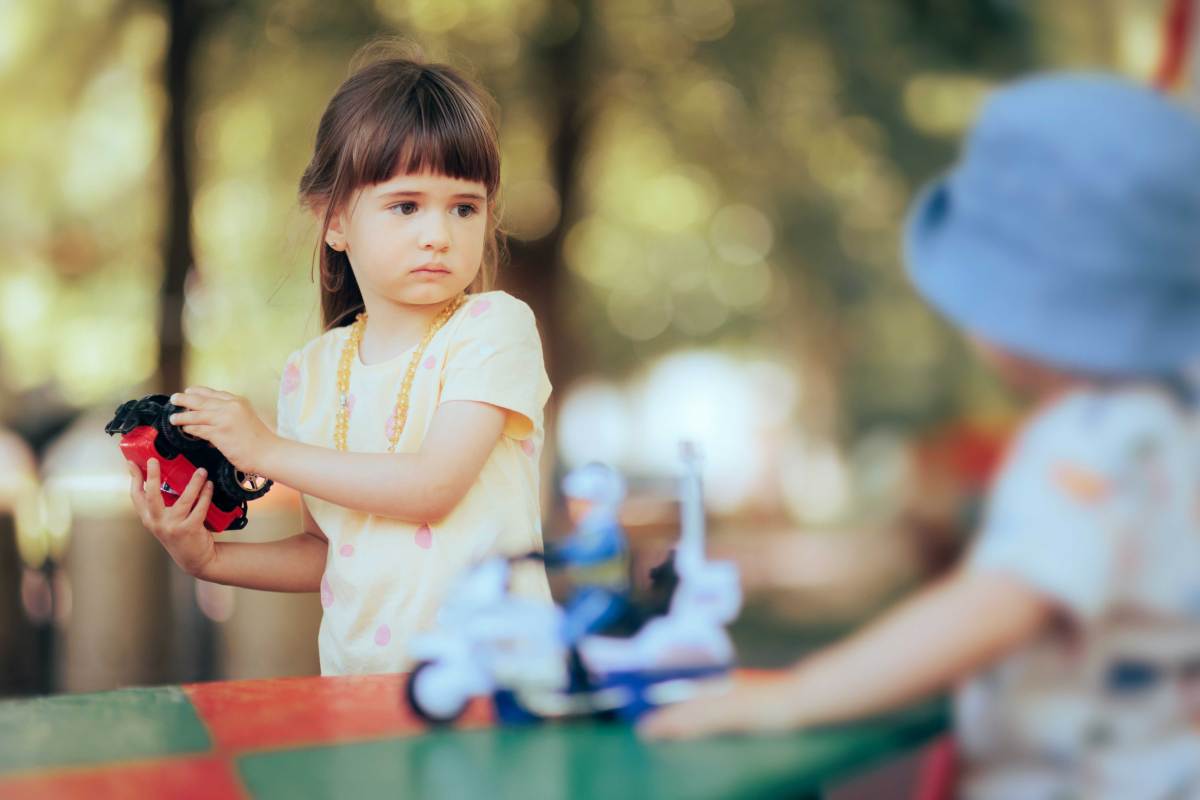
x=414 y=239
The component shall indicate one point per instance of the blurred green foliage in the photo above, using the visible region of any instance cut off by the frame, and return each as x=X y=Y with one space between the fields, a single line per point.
x=676 y=172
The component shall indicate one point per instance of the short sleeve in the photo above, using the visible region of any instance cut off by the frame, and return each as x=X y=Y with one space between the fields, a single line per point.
x=289 y=385
x=1054 y=516
x=497 y=359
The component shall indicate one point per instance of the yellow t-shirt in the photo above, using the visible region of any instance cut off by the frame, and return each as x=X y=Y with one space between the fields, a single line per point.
x=386 y=578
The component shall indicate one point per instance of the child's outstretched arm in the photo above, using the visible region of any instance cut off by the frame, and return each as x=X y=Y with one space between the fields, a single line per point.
x=420 y=487
x=294 y=564
x=928 y=643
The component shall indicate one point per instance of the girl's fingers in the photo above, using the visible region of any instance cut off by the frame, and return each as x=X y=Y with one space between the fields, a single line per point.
x=196 y=516
x=205 y=432
x=196 y=398
x=187 y=418
x=137 y=490
x=153 y=495
x=205 y=392
x=187 y=498
x=186 y=400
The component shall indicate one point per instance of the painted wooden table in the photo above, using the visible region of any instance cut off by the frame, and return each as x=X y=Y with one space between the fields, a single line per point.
x=300 y=738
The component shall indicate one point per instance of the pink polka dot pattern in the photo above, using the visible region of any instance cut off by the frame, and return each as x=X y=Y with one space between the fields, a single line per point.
x=326 y=592
x=291 y=378
x=346 y=550
x=479 y=307
x=424 y=537
x=527 y=446
x=383 y=635
x=430 y=362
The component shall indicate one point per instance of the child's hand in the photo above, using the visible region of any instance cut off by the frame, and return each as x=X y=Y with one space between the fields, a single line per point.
x=749 y=706
x=180 y=527
x=227 y=421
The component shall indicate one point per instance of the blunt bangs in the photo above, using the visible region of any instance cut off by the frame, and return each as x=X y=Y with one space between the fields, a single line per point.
x=430 y=125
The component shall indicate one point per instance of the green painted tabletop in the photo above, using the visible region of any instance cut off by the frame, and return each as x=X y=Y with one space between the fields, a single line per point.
x=351 y=737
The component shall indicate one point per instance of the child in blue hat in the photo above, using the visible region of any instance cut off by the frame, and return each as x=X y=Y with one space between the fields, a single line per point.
x=1066 y=245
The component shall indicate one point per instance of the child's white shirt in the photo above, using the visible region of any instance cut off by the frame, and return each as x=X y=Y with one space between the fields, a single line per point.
x=1097 y=506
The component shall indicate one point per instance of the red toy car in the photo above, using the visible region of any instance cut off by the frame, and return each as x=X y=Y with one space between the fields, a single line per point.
x=146 y=433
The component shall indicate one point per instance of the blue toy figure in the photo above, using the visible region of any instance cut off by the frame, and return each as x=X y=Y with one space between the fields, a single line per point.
x=595 y=556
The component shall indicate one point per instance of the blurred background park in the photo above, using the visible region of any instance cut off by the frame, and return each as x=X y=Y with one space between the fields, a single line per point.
x=703 y=199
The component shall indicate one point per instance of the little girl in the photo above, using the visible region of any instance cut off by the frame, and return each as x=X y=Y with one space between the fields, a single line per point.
x=413 y=425
x=1067 y=245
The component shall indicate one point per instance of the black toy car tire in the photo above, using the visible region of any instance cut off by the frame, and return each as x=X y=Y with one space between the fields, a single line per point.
x=228 y=481
x=162 y=443
x=172 y=434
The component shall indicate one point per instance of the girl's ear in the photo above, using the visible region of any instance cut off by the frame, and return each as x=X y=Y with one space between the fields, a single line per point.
x=335 y=235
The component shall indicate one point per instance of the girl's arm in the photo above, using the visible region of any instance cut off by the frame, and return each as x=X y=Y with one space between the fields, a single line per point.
x=928 y=643
x=294 y=564
x=419 y=487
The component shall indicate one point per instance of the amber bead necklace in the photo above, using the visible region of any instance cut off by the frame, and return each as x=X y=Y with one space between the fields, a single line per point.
x=350 y=349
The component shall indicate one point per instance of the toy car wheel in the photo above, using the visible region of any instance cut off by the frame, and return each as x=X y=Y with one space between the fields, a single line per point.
x=174 y=435
x=433 y=693
x=162 y=443
x=238 y=522
x=242 y=485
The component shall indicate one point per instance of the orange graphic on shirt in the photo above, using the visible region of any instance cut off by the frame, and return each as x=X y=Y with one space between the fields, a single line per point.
x=1083 y=485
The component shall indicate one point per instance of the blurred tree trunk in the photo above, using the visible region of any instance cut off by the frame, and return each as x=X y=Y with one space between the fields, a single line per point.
x=192 y=654
x=536 y=272
x=183 y=22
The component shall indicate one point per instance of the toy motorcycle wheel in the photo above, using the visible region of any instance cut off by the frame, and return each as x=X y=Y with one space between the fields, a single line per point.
x=243 y=485
x=433 y=693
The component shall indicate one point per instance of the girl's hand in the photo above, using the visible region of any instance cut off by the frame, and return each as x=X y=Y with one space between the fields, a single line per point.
x=180 y=527
x=750 y=705
x=228 y=422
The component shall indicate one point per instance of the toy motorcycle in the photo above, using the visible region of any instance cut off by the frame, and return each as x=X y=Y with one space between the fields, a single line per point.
x=146 y=433
x=489 y=642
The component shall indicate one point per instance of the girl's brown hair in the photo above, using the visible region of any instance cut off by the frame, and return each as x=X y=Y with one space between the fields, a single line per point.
x=397 y=116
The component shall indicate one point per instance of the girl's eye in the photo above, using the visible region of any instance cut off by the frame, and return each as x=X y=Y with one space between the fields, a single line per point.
x=407 y=207
x=465 y=210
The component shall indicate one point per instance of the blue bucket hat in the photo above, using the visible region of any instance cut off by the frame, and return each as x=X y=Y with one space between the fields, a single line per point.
x=1069 y=231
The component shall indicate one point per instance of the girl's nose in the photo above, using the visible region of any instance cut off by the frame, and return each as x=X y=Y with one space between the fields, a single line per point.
x=434 y=234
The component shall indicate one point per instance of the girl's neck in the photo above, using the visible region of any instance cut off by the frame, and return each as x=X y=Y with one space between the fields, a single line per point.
x=393 y=328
